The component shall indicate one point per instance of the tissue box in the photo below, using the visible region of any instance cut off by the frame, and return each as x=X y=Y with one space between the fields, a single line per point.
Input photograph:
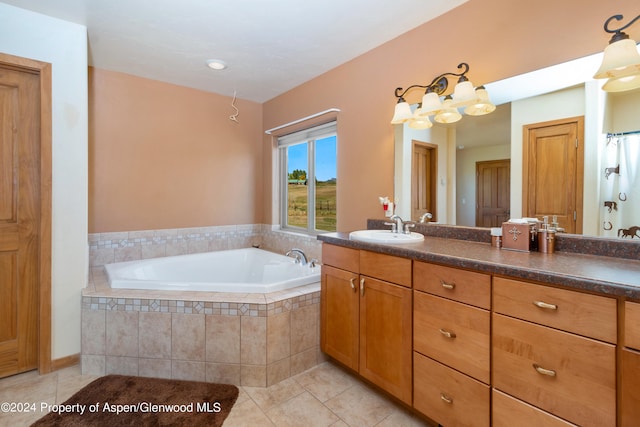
x=518 y=237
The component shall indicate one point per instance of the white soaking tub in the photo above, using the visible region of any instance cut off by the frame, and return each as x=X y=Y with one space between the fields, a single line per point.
x=249 y=270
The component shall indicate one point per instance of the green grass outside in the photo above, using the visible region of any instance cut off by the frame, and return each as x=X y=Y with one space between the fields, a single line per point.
x=325 y=206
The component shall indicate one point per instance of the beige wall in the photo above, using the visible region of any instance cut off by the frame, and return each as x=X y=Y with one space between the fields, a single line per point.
x=163 y=156
x=166 y=156
x=498 y=38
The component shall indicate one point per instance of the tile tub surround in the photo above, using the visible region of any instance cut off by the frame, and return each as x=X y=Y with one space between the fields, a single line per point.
x=243 y=339
x=107 y=248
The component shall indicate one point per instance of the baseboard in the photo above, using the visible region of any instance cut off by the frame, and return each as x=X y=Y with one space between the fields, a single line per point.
x=65 y=362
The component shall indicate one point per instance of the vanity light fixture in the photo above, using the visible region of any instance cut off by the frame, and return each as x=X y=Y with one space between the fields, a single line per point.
x=475 y=102
x=621 y=60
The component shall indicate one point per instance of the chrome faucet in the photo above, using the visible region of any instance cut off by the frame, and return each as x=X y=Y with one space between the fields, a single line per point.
x=398 y=223
x=298 y=254
x=425 y=216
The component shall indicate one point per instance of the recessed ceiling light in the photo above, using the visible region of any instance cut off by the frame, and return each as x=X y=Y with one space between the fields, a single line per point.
x=216 y=64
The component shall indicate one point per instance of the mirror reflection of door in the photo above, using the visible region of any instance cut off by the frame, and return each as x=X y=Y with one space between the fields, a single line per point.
x=424 y=161
x=553 y=169
x=493 y=192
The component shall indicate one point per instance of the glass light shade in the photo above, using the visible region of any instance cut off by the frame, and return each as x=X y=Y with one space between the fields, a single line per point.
x=420 y=123
x=448 y=114
x=620 y=59
x=463 y=94
x=621 y=84
x=402 y=113
x=430 y=104
x=482 y=104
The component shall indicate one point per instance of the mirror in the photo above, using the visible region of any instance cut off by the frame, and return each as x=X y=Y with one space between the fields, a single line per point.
x=559 y=92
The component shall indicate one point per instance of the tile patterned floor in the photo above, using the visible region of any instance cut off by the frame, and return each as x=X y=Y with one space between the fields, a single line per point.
x=322 y=396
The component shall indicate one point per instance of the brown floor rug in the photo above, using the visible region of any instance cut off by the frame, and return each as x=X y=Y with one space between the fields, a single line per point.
x=117 y=400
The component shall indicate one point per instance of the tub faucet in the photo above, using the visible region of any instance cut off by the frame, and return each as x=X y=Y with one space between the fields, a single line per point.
x=299 y=256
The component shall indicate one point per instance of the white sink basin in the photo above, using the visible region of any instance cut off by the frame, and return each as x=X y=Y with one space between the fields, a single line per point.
x=385 y=236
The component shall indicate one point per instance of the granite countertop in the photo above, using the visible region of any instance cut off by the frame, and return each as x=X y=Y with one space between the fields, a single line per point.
x=593 y=273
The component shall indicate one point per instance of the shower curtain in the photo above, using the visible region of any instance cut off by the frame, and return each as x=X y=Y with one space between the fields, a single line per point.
x=620 y=186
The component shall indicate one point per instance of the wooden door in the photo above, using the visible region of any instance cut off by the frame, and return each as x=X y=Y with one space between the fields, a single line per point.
x=423 y=180
x=19 y=219
x=553 y=167
x=493 y=192
x=339 y=315
x=385 y=336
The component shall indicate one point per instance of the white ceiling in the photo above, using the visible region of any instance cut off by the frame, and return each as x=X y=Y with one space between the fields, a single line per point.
x=269 y=46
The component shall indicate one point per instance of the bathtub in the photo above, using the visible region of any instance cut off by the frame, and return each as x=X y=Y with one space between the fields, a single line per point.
x=248 y=270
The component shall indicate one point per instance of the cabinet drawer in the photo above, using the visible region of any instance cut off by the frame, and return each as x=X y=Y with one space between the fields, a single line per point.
x=455 y=334
x=565 y=374
x=459 y=285
x=584 y=314
x=386 y=267
x=508 y=411
x=447 y=396
x=341 y=257
x=632 y=324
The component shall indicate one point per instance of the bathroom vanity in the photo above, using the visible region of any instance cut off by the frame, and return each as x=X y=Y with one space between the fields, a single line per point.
x=468 y=334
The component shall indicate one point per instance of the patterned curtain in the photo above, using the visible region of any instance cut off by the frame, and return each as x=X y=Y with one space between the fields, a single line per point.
x=620 y=186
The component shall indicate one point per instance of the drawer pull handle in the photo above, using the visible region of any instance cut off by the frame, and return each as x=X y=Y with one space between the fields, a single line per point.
x=362 y=287
x=544 y=371
x=446 y=398
x=548 y=306
x=447 y=334
x=446 y=285
x=353 y=285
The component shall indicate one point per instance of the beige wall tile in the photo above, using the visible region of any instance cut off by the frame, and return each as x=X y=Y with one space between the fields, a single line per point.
x=154 y=335
x=187 y=370
x=253 y=375
x=278 y=371
x=187 y=337
x=222 y=373
x=253 y=340
x=122 y=333
x=121 y=365
x=154 y=368
x=223 y=339
x=304 y=360
x=304 y=328
x=278 y=336
x=93 y=331
x=93 y=364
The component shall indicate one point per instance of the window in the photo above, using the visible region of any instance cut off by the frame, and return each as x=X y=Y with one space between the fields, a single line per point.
x=308 y=179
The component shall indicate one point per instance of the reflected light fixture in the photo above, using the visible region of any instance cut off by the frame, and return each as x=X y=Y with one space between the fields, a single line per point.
x=475 y=102
x=621 y=60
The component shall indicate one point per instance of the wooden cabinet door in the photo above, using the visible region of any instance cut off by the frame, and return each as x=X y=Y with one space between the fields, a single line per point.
x=385 y=336
x=339 y=315
x=629 y=390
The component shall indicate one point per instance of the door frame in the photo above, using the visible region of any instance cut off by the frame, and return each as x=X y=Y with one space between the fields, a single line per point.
x=579 y=121
x=43 y=70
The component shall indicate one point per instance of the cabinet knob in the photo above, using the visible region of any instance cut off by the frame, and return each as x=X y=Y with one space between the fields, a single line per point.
x=548 y=306
x=447 y=334
x=544 y=371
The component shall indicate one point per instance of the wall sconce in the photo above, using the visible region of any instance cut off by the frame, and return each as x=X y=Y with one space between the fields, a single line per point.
x=475 y=102
x=621 y=61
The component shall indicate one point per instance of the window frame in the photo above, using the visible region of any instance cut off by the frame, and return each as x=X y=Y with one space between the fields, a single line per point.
x=309 y=135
